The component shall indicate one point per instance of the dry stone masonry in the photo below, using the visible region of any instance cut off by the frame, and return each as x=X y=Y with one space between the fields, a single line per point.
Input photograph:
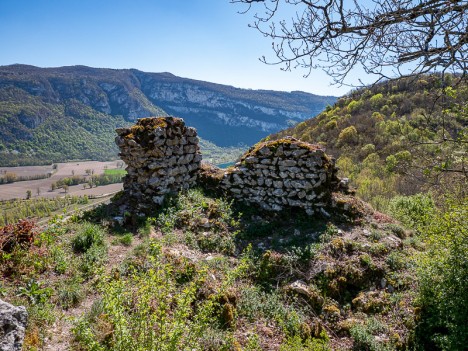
x=162 y=156
x=284 y=173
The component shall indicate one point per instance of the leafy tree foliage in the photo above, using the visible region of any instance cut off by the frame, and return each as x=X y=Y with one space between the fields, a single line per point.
x=397 y=137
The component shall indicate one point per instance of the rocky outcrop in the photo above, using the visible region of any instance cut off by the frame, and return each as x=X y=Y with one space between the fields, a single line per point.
x=162 y=156
x=284 y=173
x=13 y=322
x=226 y=115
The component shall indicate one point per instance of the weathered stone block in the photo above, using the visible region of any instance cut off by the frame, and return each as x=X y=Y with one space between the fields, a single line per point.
x=13 y=322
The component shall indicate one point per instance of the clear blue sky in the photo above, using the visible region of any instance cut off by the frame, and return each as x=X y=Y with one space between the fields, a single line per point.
x=199 y=39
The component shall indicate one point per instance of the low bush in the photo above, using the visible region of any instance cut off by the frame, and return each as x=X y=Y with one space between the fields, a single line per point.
x=21 y=234
x=443 y=275
x=88 y=235
x=413 y=211
x=147 y=310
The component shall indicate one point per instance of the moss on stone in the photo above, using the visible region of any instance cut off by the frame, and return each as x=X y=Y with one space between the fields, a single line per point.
x=145 y=125
x=274 y=144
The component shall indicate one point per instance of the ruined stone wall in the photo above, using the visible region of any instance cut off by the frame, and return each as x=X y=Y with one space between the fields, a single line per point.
x=162 y=156
x=284 y=173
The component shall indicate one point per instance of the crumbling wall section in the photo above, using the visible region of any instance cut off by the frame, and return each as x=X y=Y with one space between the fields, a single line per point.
x=284 y=173
x=162 y=157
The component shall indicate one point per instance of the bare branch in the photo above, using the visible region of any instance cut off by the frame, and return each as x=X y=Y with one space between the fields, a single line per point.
x=390 y=39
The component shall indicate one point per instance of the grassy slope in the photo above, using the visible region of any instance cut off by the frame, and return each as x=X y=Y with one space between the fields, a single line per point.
x=215 y=276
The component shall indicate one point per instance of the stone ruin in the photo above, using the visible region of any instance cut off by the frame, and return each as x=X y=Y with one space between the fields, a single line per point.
x=162 y=157
x=284 y=173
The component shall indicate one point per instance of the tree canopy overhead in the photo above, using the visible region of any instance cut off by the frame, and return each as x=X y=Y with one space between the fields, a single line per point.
x=387 y=38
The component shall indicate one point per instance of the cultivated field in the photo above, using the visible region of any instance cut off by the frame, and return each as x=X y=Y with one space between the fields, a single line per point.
x=42 y=187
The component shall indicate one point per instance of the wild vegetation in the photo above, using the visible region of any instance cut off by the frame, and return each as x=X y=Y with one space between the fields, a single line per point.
x=15 y=210
x=110 y=176
x=203 y=273
x=11 y=177
x=396 y=138
x=35 y=131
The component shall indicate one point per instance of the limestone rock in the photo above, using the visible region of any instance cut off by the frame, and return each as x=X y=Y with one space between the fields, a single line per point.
x=13 y=322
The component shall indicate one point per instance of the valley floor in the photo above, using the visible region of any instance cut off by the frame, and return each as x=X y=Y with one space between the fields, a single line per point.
x=17 y=190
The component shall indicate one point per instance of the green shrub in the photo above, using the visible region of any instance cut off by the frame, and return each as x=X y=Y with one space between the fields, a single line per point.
x=88 y=235
x=60 y=259
x=92 y=258
x=364 y=336
x=376 y=100
x=297 y=343
x=331 y=125
x=354 y=105
x=70 y=293
x=255 y=304
x=367 y=149
x=35 y=292
x=412 y=211
x=147 y=310
x=443 y=273
x=348 y=135
x=211 y=222
x=126 y=239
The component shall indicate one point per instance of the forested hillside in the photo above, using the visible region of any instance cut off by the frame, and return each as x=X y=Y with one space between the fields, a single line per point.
x=34 y=131
x=400 y=137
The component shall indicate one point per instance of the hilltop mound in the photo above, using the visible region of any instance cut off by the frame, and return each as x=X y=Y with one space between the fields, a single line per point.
x=217 y=271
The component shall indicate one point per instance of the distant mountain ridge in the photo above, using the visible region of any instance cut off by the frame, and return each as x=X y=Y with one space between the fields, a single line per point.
x=207 y=106
x=55 y=114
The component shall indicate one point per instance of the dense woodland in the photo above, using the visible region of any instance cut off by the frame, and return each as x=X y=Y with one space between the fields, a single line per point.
x=37 y=132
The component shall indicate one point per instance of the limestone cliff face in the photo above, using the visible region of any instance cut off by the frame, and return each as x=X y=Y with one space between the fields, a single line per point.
x=228 y=115
x=223 y=114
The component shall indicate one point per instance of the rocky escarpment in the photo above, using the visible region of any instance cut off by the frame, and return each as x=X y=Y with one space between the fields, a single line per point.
x=226 y=115
x=13 y=322
x=284 y=173
x=163 y=157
